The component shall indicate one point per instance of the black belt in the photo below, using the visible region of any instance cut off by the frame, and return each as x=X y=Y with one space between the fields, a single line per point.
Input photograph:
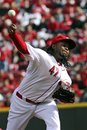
x=26 y=99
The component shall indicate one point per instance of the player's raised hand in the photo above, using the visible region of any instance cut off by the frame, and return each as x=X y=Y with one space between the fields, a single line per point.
x=12 y=29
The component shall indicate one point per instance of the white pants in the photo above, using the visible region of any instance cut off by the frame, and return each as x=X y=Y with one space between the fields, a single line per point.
x=21 y=112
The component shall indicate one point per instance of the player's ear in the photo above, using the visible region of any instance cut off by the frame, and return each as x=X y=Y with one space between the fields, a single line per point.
x=54 y=46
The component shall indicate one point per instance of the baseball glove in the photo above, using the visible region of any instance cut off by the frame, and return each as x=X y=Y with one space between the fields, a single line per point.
x=64 y=95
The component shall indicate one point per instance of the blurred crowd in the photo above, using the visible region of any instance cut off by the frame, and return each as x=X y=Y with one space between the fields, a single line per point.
x=38 y=21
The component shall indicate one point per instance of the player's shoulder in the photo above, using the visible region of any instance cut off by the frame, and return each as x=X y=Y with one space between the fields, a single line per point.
x=36 y=49
x=30 y=45
x=42 y=53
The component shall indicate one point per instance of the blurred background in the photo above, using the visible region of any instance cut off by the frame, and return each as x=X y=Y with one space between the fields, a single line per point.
x=38 y=21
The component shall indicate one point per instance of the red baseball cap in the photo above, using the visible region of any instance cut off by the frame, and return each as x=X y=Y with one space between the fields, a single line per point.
x=60 y=38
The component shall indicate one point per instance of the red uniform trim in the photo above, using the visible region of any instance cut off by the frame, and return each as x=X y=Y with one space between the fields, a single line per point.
x=26 y=99
x=19 y=43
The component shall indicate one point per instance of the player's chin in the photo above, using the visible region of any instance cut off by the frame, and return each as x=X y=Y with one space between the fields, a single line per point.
x=66 y=55
x=63 y=56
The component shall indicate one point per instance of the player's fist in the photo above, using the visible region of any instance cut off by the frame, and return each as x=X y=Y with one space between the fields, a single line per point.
x=12 y=29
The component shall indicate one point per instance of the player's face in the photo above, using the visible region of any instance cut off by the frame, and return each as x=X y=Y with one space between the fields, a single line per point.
x=62 y=50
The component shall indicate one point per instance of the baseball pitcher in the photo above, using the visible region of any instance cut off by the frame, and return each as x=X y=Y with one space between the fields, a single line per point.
x=46 y=78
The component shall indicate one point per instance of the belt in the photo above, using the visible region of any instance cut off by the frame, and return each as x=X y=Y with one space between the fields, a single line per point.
x=26 y=99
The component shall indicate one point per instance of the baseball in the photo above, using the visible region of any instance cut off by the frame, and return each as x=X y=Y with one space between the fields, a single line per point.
x=11 y=13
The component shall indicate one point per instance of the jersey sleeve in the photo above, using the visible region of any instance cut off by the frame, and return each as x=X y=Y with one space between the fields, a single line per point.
x=65 y=78
x=27 y=50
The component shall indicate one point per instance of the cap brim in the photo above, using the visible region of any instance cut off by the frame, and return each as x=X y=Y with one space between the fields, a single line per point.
x=71 y=43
